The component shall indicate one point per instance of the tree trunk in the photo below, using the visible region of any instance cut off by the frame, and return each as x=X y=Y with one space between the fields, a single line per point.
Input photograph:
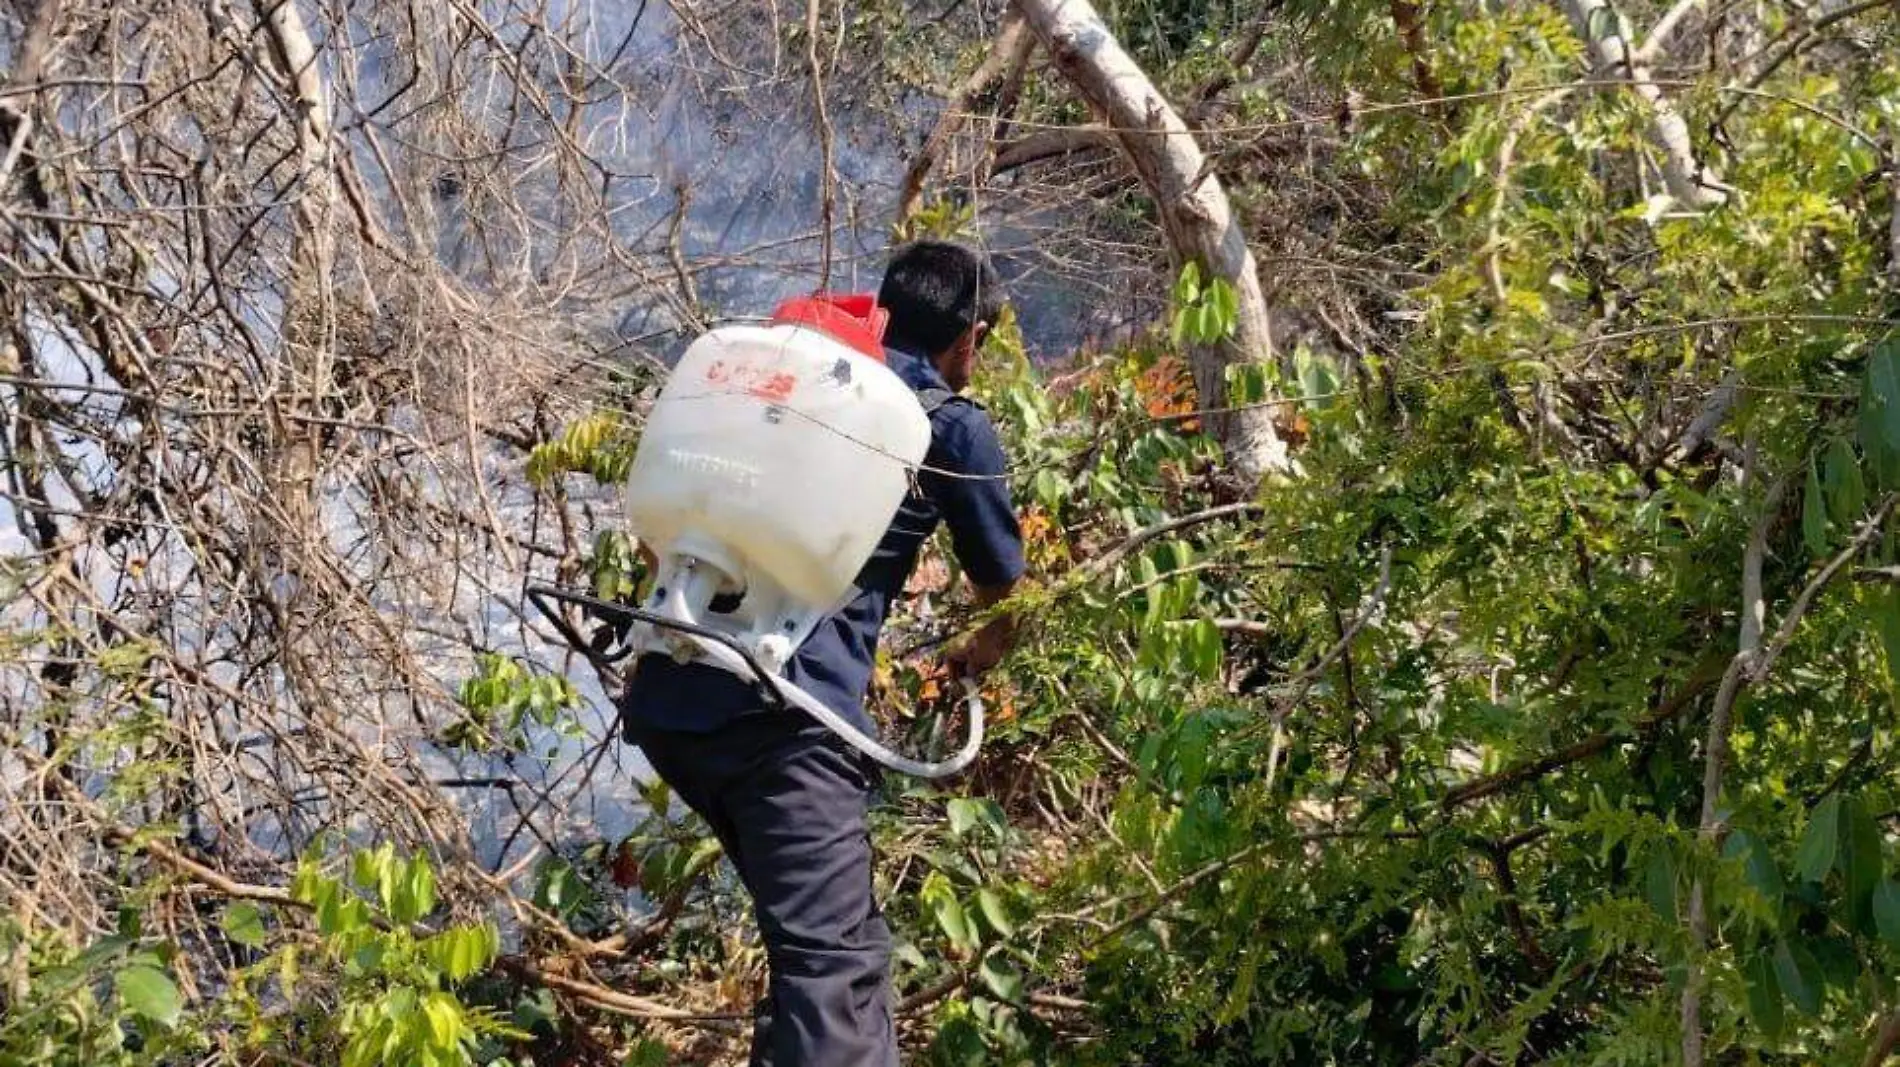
x=1691 y=182
x=1199 y=223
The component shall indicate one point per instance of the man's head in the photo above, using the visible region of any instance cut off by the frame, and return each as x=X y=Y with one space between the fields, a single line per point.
x=943 y=298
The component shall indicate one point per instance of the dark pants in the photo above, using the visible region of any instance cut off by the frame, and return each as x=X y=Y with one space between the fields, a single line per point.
x=788 y=801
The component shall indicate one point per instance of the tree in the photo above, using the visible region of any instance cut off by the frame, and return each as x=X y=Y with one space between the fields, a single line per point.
x=1200 y=224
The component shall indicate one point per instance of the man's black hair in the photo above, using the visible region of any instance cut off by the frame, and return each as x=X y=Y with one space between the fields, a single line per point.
x=935 y=291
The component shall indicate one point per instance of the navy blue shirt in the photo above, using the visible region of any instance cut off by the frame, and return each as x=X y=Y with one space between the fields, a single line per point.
x=962 y=486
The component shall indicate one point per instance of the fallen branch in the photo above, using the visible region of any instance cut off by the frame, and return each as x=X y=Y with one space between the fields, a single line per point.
x=209 y=877
x=929 y=995
x=1050 y=144
x=612 y=1000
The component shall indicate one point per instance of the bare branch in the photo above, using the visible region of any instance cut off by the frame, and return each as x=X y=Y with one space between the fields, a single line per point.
x=1009 y=48
x=1664 y=31
x=1050 y=144
x=1715 y=757
x=1690 y=180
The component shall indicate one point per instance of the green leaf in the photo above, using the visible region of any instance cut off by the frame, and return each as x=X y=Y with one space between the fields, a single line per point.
x=536 y=1012
x=1758 y=863
x=1224 y=299
x=959 y=1044
x=150 y=994
x=1887 y=911
x=1840 y=966
x=951 y=918
x=963 y=815
x=909 y=955
x=1846 y=489
x=1883 y=388
x=466 y=956
x=1764 y=993
x=473 y=949
x=1205 y=645
x=1187 y=288
x=1885 y=608
x=967 y=813
x=559 y=889
x=370 y=867
x=1049 y=488
x=1821 y=843
x=288 y=970
x=414 y=897
x=99 y=952
x=1799 y=975
x=338 y=912
x=1208 y=324
x=460 y=952
x=444 y=1013
x=1859 y=860
x=1814 y=513
x=954 y=922
x=648 y=1052
x=124 y=659
x=994 y=912
x=1001 y=979
x=244 y=925
x=369 y=955
x=1659 y=882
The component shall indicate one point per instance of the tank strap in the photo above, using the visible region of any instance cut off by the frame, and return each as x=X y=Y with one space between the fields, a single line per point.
x=933 y=397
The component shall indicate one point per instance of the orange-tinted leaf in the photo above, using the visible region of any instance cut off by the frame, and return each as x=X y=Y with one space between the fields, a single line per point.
x=1166 y=390
x=626 y=866
x=1295 y=429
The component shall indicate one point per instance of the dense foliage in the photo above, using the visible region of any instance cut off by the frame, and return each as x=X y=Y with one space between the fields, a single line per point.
x=1545 y=714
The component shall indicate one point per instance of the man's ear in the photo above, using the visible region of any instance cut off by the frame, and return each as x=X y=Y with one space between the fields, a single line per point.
x=970 y=343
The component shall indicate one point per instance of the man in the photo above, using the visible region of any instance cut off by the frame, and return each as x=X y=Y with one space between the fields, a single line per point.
x=787 y=799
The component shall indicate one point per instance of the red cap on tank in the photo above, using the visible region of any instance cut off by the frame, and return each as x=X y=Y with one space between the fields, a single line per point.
x=853 y=319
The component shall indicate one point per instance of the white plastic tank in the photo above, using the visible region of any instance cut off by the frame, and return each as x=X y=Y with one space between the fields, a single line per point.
x=776 y=452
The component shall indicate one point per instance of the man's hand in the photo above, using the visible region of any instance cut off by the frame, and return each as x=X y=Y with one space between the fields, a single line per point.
x=989 y=645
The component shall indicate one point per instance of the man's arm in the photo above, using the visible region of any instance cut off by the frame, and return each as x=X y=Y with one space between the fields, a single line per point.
x=987 y=647
x=984 y=533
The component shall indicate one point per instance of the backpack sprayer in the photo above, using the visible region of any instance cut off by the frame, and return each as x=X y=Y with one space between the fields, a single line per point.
x=770 y=466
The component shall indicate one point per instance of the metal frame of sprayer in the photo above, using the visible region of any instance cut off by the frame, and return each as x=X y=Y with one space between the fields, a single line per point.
x=728 y=652
x=758 y=636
